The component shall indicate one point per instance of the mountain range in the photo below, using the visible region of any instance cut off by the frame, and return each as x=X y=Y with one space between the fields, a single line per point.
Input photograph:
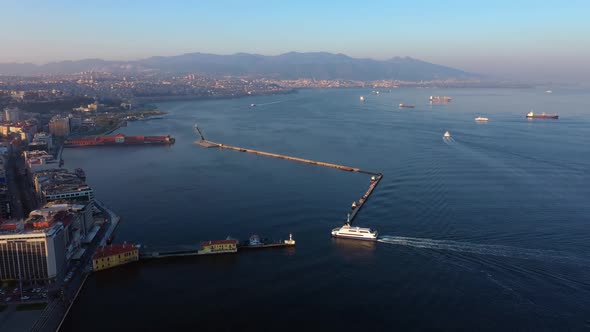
x=292 y=65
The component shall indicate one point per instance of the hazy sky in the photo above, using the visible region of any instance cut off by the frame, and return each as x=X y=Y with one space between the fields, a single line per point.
x=532 y=39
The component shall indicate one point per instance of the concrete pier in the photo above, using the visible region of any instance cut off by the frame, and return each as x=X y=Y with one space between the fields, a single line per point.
x=376 y=175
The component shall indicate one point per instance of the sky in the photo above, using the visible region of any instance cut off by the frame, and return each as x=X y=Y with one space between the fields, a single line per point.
x=538 y=40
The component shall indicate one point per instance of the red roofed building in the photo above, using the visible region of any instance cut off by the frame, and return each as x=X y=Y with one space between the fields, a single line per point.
x=114 y=255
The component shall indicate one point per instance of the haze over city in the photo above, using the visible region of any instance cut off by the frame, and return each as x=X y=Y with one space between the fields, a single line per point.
x=502 y=39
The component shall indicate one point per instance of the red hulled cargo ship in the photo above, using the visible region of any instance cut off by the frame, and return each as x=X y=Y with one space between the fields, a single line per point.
x=531 y=115
x=118 y=139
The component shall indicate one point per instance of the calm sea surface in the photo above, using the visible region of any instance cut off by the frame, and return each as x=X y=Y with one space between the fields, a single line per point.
x=487 y=231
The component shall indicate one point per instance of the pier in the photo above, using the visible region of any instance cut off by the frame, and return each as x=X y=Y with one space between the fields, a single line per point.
x=375 y=178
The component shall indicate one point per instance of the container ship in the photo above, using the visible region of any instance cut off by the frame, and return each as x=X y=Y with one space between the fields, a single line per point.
x=531 y=115
x=118 y=139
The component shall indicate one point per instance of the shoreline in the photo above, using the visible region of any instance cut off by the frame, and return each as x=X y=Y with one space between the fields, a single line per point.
x=162 y=99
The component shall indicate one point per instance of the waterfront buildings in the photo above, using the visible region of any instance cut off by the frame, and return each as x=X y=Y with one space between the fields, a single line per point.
x=38 y=160
x=56 y=184
x=114 y=255
x=44 y=138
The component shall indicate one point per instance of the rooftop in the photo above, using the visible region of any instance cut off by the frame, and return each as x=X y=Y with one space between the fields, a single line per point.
x=114 y=249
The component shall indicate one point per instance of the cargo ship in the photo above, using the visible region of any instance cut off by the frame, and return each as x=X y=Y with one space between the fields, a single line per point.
x=438 y=99
x=255 y=242
x=531 y=115
x=118 y=139
x=406 y=106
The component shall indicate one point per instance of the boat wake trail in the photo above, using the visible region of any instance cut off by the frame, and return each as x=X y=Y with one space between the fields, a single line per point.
x=449 y=140
x=271 y=103
x=486 y=249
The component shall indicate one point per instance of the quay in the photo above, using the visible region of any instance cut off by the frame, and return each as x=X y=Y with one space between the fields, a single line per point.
x=114 y=222
x=375 y=178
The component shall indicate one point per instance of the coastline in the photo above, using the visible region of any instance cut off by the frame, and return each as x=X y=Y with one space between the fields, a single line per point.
x=160 y=99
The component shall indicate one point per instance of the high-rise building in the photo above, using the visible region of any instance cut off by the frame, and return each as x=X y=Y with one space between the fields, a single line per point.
x=32 y=255
x=38 y=249
x=59 y=126
x=11 y=114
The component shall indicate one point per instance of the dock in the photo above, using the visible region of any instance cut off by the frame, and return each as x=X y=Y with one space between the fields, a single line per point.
x=375 y=178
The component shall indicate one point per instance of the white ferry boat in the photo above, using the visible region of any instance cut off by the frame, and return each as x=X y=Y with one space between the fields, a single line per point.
x=481 y=119
x=357 y=233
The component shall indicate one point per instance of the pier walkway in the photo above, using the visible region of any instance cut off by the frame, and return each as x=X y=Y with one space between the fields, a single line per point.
x=376 y=176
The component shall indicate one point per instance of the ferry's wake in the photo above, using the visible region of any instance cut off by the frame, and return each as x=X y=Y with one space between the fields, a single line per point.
x=272 y=102
x=449 y=140
x=486 y=249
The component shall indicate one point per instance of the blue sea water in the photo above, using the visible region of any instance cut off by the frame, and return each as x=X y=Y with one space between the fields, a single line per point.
x=489 y=230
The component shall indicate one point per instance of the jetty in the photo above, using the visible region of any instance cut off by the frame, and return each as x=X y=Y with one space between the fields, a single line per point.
x=375 y=176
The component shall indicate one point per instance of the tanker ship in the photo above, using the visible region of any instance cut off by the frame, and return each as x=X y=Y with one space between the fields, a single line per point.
x=118 y=139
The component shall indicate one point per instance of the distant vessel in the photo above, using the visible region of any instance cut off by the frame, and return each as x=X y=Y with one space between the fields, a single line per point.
x=357 y=233
x=438 y=99
x=362 y=98
x=252 y=105
x=548 y=91
x=406 y=106
x=481 y=119
x=447 y=134
x=531 y=115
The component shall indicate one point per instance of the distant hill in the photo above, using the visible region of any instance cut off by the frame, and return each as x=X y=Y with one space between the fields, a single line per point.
x=293 y=65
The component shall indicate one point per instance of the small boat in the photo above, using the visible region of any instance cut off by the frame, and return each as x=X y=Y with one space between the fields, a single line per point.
x=548 y=91
x=531 y=115
x=252 y=105
x=362 y=98
x=447 y=134
x=406 y=106
x=354 y=206
x=481 y=119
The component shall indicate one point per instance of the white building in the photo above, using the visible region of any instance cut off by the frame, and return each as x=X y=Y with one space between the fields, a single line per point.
x=11 y=114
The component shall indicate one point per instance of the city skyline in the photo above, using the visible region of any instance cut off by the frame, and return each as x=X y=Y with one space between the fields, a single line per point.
x=499 y=38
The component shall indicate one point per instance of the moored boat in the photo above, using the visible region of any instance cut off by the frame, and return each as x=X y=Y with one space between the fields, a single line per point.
x=255 y=241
